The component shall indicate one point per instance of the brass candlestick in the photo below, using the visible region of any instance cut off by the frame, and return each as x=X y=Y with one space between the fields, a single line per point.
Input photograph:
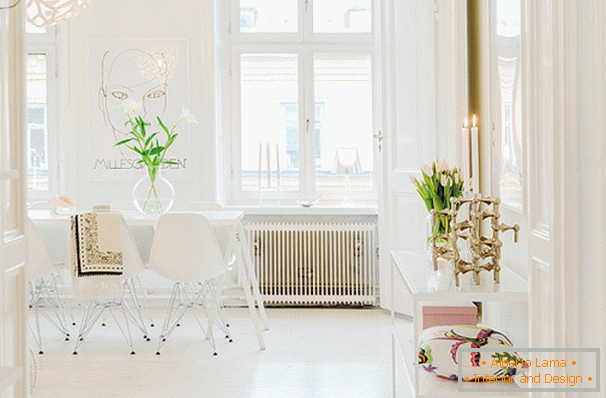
x=485 y=251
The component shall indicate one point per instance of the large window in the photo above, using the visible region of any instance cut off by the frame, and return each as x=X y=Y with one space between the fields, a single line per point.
x=41 y=113
x=302 y=90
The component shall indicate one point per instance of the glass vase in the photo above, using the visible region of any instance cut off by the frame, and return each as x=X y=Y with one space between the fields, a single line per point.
x=441 y=228
x=153 y=194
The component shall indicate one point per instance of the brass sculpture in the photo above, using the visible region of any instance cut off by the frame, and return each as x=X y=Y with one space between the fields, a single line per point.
x=485 y=251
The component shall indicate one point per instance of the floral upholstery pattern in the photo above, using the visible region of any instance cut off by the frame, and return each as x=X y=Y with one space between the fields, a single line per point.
x=439 y=346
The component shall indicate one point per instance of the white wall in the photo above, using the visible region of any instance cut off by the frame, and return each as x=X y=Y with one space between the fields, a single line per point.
x=591 y=193
x=144 y=19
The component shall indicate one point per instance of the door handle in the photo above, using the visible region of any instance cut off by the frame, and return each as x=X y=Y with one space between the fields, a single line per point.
x=379 y=136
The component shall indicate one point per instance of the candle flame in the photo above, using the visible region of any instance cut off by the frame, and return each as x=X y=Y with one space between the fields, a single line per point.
x=475 y=121
x=466 y=122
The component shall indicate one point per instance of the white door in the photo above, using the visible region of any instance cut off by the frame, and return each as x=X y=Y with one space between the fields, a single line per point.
x=552 y=204
x=13 y=253
x=418 y=122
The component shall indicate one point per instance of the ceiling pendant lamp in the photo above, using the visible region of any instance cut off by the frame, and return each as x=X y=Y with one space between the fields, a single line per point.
x=42 y=13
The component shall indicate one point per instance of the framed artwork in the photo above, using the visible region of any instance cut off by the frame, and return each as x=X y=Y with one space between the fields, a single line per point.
x=506 y=76
x=153 y=73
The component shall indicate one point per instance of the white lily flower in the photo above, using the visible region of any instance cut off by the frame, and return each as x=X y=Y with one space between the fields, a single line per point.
x=427 y=170
x=131 y=108
x=188 y=116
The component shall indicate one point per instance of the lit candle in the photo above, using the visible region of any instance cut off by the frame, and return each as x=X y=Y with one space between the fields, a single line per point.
x=475 y=156
x=260 y=160
x=278 y=163
x=268 y=166
x=465 y=134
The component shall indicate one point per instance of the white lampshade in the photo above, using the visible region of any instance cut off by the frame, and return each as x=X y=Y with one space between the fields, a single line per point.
x=347 y=161
x=42 y=13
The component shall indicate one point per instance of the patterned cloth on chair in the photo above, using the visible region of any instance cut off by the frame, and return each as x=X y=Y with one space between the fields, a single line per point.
x=96 y=254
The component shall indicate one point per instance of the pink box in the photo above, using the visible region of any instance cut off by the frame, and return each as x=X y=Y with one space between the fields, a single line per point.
x=460 y=314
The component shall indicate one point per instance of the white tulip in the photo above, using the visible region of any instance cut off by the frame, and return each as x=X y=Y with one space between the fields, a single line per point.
x=444 y=180
x=427 y=170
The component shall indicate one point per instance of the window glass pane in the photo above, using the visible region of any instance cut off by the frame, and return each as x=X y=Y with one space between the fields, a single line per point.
x=37 y=138
x=343 y=121
x=342 y=16
x=270 y=117
x=268 y=16
x=508 y=47
x=29 y=28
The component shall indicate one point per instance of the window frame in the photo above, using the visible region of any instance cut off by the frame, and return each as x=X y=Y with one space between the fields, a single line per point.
x=46 y=44
x=304 y=43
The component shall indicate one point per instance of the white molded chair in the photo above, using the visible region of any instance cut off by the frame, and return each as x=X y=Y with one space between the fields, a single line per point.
x=185 y=250
x=99 y=304
x=221 y=232
x=143 y=235
x=44 y=295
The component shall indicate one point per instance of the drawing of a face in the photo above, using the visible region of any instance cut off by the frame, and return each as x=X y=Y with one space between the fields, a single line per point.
x=138 y=75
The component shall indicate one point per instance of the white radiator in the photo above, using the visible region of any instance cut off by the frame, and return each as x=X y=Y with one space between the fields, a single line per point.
x=315 y=263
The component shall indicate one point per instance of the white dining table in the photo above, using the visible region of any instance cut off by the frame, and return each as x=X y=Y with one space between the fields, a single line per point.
x=237 y=247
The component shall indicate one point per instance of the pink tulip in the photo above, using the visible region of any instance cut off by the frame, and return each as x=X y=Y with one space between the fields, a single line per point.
x=441 y=166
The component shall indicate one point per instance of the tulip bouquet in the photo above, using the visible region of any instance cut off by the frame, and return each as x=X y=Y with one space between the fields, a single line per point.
x=439 y=184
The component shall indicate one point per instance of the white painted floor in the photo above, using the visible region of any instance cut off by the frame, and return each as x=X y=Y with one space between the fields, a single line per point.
x=310 y=353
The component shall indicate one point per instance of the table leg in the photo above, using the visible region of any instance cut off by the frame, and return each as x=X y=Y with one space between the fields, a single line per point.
x=252 y=275
x=245 y=283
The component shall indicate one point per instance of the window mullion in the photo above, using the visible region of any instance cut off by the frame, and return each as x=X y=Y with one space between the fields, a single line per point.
x=307 y=17
x=311 y=126
x=303 y=125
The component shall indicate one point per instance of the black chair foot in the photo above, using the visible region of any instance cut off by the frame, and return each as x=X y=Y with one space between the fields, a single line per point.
x=67 y=334
x=132 y=353
x=73 y=323
x=67 y=339
x=231 y=341
x=74 y=353
x=41 y=352
x=178 y=324
x=103 y=324
x=163 y=338
x=152 y=325
x=227 y=325
x=148 y=339
x=227 y=336
x=157 y=352
x=215 y=354
x=81 y=339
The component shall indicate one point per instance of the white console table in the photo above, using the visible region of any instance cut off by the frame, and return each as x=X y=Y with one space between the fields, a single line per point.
x=415 y=270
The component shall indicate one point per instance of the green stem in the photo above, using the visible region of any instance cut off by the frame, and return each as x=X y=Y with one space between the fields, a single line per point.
x=153 y=189
x=158 y=204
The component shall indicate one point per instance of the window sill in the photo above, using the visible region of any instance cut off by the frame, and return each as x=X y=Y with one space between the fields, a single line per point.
x=317 y=210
